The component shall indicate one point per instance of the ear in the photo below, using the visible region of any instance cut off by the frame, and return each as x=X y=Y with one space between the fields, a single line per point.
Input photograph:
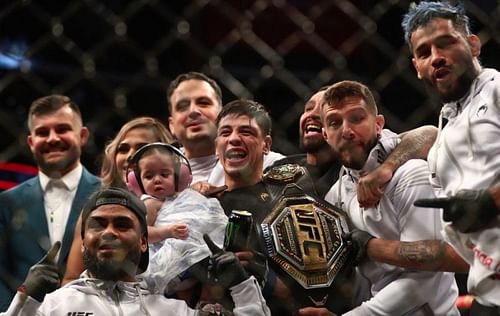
x=323 y=132
x=29 y=140
x=144 y=244
x=84 y=135
x=171 y=125
x=268 y=142
x=380 y=122
x=414 y=62
x=475 y=45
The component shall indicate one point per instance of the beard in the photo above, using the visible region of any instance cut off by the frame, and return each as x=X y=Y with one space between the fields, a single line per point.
x=356 y=160
x=313 y=145
x=208 y=132
x=456 y=90
x=110 y=269
x=57 y=167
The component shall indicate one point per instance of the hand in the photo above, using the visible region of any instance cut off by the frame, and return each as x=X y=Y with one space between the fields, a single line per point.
x=370 y=186
x=468 y=210
x=179 y=230
x=43 y=277
x=214 y=191
x=255 y=263
x=225 y=268
x=358 y=240
x=315 y=311
x=207 y=189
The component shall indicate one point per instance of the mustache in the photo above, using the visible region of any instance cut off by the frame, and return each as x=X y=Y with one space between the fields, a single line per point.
x=57 y=146
x=198 y=120
x=349 y=145
x=109 y=244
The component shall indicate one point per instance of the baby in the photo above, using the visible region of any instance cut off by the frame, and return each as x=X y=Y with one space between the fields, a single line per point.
x=178 y=215
x=159 y=181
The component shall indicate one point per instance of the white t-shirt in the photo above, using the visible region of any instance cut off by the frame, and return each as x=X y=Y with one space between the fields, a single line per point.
x=202 y=167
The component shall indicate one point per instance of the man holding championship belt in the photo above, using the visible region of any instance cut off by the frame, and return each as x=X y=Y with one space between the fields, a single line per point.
x=308 y=258
x=304 y=246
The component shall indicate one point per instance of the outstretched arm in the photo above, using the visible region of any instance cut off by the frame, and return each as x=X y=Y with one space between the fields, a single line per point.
x=468 y=210
x=423 y=255
x=415 y=144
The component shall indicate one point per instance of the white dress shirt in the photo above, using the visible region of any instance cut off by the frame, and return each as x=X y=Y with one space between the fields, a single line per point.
x=58 y=198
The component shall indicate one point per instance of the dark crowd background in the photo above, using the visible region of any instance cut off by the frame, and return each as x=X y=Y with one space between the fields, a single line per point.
x=116 y=57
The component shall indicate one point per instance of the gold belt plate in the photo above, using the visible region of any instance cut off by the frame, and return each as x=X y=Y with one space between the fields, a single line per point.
x=303 y=236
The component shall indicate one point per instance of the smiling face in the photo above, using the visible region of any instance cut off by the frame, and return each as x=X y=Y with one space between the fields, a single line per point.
x=241 y=146
x=157 y=174
x=113 y=243
x=192 y=119
x=131 y=142
x=445 y=58
x=55 y=141
x=351 y=129
x=311 y=137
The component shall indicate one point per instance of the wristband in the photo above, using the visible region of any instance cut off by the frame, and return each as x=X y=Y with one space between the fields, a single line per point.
x=268 y=289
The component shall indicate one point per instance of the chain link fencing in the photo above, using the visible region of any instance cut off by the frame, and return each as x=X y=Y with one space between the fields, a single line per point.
x=115 y=58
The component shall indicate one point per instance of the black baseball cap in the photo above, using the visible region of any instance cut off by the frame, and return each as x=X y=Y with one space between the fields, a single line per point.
x=119 y=196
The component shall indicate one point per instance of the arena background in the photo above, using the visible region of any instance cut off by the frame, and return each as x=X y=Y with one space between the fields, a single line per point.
x=115 y=59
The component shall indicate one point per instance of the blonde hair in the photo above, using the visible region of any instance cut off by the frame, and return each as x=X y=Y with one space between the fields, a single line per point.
x=109 y=172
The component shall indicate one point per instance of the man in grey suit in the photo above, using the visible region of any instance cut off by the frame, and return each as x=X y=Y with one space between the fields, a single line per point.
x=42 y=210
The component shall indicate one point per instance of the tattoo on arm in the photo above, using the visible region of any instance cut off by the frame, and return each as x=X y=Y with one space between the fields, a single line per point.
x=425 y=252
x=415 y=143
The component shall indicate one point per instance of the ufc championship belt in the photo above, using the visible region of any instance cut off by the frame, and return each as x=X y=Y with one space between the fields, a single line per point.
x=302 y=233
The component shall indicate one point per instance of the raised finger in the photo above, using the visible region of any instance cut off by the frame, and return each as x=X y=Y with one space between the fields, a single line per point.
x=50 y=257
x=211 y=245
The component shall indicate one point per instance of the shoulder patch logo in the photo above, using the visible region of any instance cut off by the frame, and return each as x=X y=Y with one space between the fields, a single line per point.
x=482 y=110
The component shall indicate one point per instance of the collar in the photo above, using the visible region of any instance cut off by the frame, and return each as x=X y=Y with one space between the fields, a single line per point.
x=70 y=180
x=205 y=160
x=452 y=109
x=107 y=285
x=377 y=155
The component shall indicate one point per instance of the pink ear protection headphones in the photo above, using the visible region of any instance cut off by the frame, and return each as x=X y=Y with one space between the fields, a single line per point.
x=182 y=168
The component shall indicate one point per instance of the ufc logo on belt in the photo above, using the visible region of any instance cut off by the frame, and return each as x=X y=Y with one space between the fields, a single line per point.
x=80 y=314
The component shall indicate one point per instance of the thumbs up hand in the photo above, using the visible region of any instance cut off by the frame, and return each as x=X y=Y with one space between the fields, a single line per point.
x=468 y=210
x=44 y=276
x=225 y=268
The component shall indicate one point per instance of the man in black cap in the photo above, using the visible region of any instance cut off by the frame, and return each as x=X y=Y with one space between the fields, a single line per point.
x=115 y=247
